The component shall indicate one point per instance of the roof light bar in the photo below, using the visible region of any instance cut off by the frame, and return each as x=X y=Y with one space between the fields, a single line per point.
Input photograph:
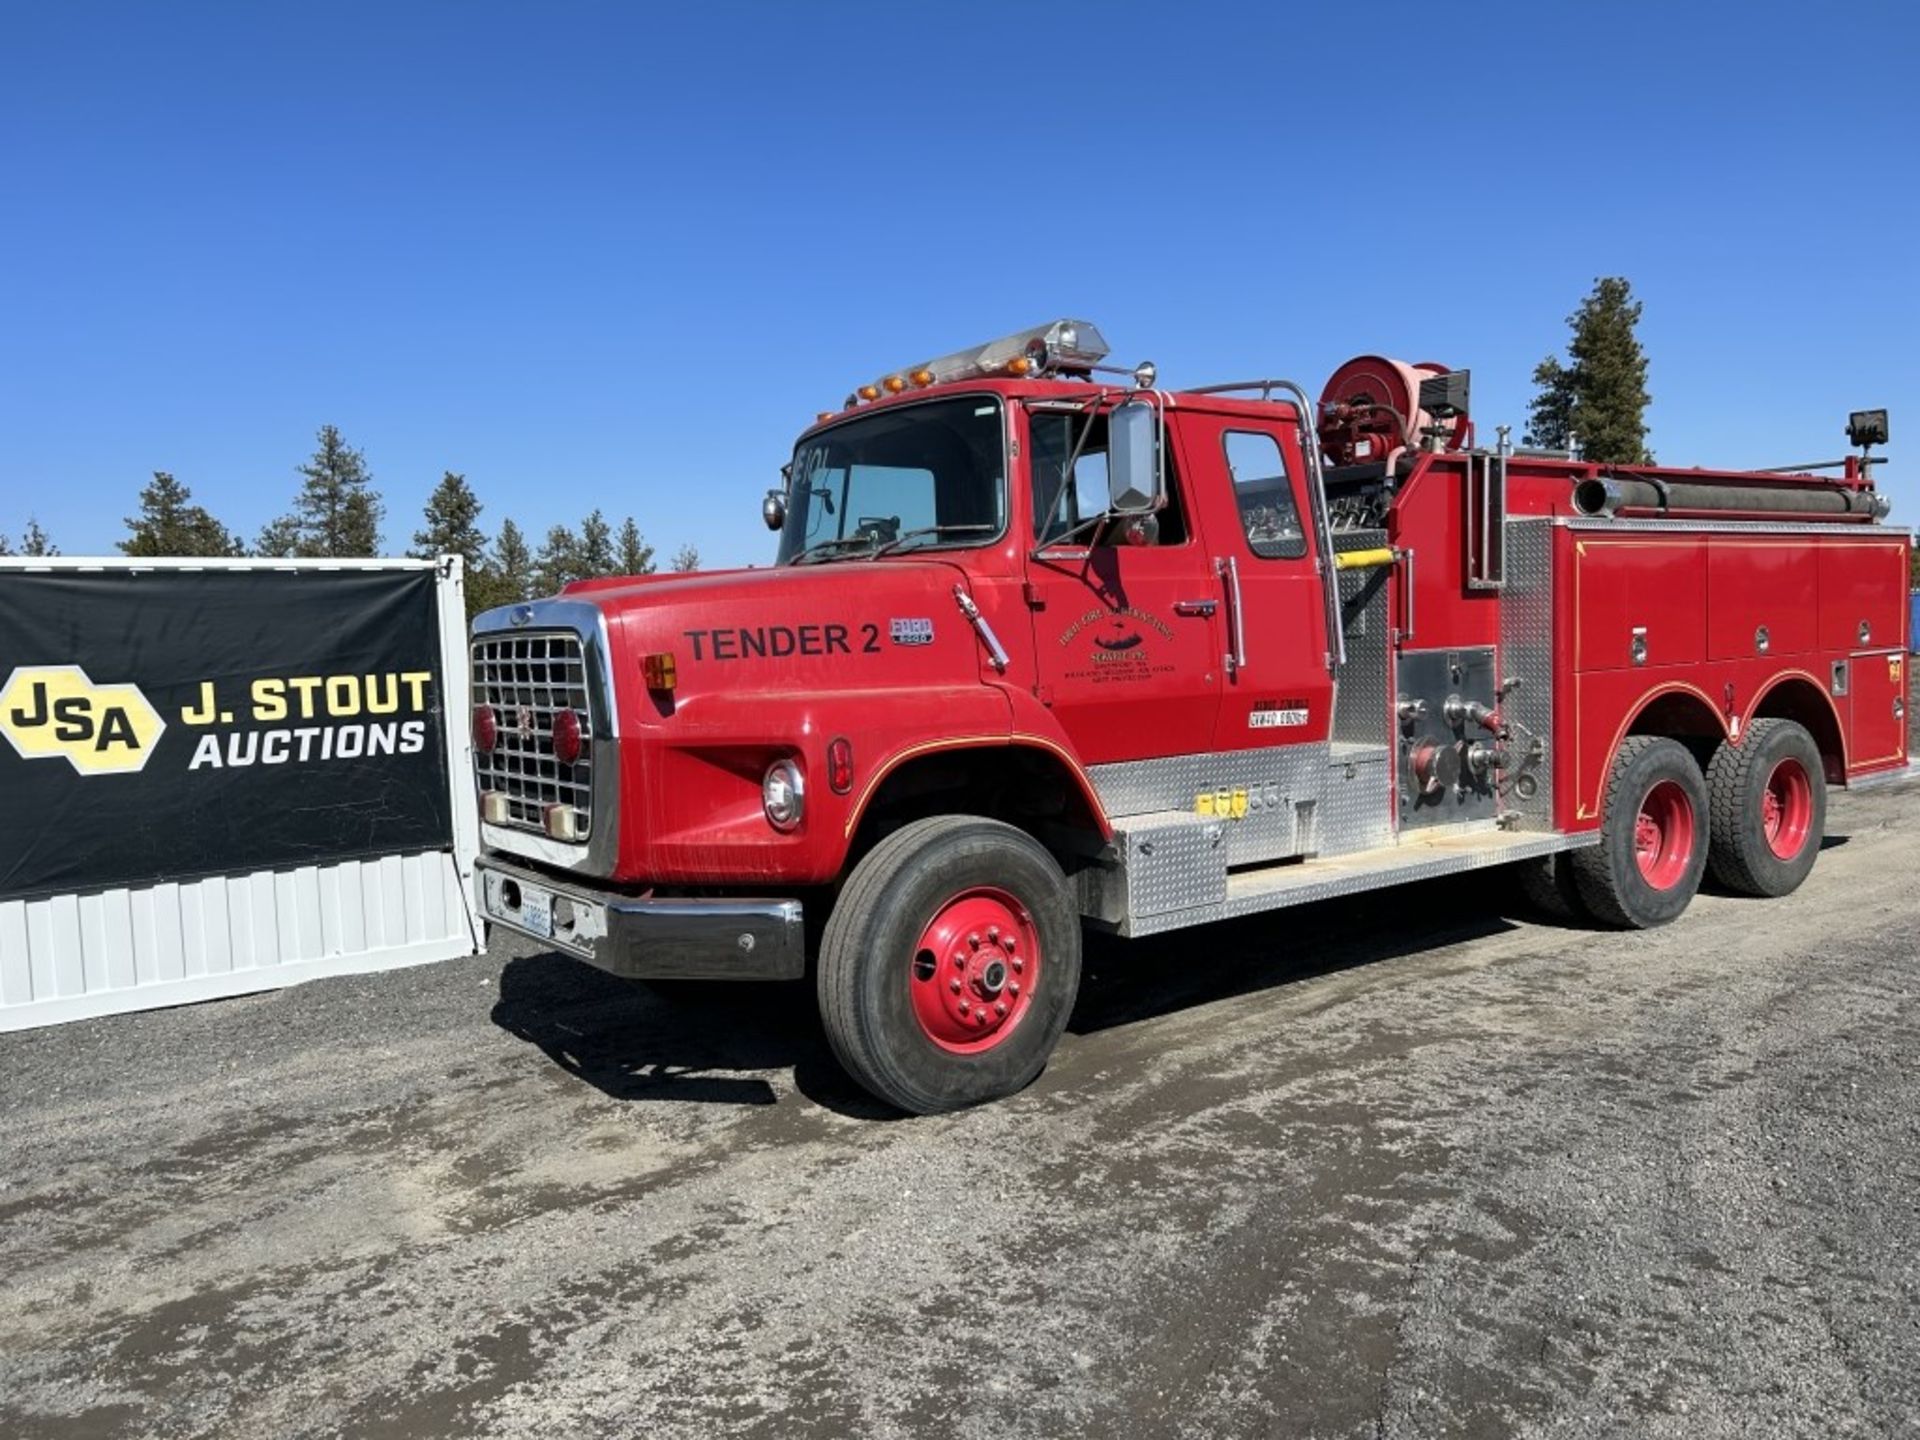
x=1069 y=346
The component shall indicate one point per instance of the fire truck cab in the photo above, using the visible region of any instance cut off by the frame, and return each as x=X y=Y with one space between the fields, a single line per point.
x=1047 y=644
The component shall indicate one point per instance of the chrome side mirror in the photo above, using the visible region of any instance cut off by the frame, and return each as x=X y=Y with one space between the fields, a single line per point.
x=773 y=509
x=1133 y=460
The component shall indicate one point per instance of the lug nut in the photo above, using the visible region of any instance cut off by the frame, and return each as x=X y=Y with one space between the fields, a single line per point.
x=1013 y=987
x=959 y=959
x=1006 y=943
x=993 y=933
x=1000 y=1009
x=964 y=1007
x=956 y=987
x=1017 y=963
x=974 y=940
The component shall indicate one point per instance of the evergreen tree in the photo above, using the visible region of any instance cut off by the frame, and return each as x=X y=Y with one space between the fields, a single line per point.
x=1599 y=397
x=504 y=577
x=636 y=556
x=558 y=561
x=278 y=539
x=596 y=547
x=34 y=542
x=6 y=545
x=1550 y=413
x=453 y=524
x=686 y=559
x=168 y=525
x=337 y=513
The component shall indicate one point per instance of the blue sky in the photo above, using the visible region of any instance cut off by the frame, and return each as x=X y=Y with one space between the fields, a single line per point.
x=617 y=256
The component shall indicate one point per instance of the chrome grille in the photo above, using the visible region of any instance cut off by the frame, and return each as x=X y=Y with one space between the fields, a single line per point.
x=527 y=679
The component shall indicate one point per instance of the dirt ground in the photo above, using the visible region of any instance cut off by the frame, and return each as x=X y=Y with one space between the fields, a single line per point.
x=1402 y=1166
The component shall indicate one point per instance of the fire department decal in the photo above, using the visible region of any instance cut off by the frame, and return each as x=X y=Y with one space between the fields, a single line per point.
x=1120 y=645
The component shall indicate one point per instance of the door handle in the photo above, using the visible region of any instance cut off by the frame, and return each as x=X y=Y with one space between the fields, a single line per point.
x=1195 y=607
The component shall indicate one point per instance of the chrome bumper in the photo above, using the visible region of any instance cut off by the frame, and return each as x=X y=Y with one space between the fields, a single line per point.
x=648 y=939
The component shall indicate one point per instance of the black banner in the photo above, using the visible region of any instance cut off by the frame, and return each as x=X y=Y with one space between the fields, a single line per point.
x=174 y=724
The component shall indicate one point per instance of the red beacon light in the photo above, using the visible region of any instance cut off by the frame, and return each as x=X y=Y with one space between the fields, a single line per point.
x=566 y=736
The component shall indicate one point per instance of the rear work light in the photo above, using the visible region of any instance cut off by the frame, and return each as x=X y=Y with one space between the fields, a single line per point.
x=566 y=736
x=659 y=671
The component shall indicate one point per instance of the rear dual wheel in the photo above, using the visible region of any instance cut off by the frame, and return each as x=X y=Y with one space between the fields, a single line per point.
x=1653 y=837
x=950 y=964
x=1768 y=804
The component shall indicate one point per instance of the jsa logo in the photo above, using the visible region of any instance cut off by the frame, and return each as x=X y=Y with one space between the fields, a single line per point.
x=48 y=711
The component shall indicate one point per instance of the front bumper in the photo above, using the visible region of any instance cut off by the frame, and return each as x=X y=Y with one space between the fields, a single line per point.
x=648 y=939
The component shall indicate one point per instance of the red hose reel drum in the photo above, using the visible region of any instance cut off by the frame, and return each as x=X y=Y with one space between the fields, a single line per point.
x=1370 y=411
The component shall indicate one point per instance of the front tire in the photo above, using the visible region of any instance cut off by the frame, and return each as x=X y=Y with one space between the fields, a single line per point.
x=950 y=964
x=1768 y=799
x=1653 y=837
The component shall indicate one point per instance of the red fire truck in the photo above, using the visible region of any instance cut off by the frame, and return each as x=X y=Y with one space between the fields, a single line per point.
x=1048 y=644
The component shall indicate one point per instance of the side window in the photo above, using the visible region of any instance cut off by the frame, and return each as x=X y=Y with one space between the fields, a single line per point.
x=1264 y=495
x=1061 y=502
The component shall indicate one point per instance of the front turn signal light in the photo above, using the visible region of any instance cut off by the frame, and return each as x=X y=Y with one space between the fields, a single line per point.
x=659 y=671
x=840 y=765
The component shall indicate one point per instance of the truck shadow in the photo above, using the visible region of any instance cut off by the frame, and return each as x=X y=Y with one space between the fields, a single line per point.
x=1127 y=981
x=703 y=1041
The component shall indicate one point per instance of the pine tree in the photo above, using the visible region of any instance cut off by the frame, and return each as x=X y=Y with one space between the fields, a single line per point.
x=636 y=556
x=512 y=563
x=1599 y=397
x=596 y=547
x=453 y=524
x=337 y=513
x=168 y=525
x=685 y=559
x=278 y=539
x=34 y=542
x=558 y=561
x=6 y=545
x=1550 y=413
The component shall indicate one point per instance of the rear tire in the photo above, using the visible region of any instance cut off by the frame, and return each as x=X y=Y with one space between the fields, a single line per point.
x=1548 y=886
x=1653 y=837
x=950 y=964
x=1767 y=800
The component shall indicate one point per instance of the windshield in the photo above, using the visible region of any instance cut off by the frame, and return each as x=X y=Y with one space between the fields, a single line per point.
x=922 y=475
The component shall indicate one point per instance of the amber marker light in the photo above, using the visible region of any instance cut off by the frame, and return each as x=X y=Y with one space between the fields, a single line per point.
x=894 y=384
x=922 y=378
x=1020 y=365
x=659 y=671
x=868 y=392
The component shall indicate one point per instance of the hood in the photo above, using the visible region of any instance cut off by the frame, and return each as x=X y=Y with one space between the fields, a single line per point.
x=849 y=625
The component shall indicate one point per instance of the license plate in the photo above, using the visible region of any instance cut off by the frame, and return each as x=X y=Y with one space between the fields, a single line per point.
x=534 y=913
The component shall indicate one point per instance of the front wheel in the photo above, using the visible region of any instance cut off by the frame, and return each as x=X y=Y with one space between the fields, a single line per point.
x=1653 y=837
x=950 y=964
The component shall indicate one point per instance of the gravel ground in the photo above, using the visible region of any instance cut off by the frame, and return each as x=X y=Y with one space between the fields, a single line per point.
x=1402 y=1166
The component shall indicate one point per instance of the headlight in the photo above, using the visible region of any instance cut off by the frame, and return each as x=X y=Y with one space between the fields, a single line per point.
x=783 y=794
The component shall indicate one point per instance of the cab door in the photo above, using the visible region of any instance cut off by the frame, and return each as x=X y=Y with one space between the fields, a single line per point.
x=1127 y=616
x=1250 y=489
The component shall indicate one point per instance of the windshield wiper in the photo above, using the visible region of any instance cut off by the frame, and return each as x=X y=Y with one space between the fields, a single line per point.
x=924 y=531
x=828 y=548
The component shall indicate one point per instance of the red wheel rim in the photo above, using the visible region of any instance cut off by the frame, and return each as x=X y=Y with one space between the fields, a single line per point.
x=1786 y=809
x=1663 y=835
x=974 y=970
